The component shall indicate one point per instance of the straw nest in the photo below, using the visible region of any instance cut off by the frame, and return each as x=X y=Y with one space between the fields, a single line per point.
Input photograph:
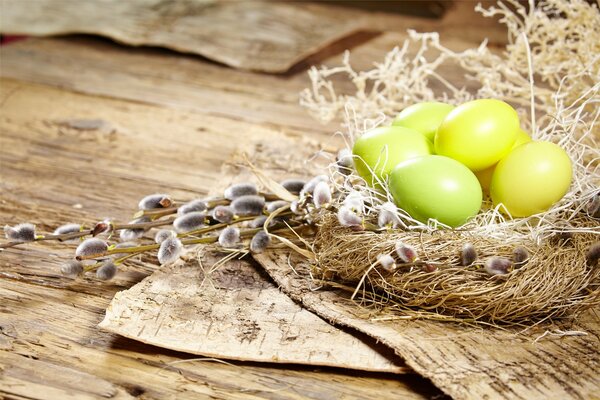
x=556 y=279
x=556 y=94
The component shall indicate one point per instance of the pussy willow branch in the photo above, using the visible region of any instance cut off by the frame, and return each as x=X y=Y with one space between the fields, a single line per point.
x=134 y=251
x=86 y=232
x=212 y=203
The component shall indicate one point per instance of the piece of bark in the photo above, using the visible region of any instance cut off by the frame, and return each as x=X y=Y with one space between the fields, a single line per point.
x=236 y=313
x=465 y=362
x=260 y=36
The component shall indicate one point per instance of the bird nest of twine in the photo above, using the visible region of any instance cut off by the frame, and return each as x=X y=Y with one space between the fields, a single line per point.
x=550 y=72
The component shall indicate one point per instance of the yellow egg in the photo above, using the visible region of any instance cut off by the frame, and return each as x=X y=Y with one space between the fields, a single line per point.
x=531 y=178
x=478 y=133
x=485 y=176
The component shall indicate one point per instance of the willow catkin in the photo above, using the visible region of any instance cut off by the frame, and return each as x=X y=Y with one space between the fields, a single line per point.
x=468 y=255
x=71 y=268
x=344 y=161
x=127 y=235
x=309 y=187
x=67 y=228
x=406 y=253
x=275 y=205
x=355 y=201
x=387 y=262
x=170 y=250
x=189 y=222
x=520 y=256
x=223 y=214
x=322 y=195
x=294 y=186
x=229 y=237
x=388 y=216
x=248 y=205
x=20 y=233
x=349 y=218
x=260 y=241
x=154 y=201
x=91 y=248
x=192 y=206
x=497 y=265
x=107 y=271
x=164 y=234
x=239 y=190
x=593 y=254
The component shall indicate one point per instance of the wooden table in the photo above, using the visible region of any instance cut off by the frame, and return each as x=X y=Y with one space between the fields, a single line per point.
x=166 y=123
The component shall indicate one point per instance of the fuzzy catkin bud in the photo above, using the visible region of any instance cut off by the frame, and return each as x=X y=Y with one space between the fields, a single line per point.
x=127 y=235
x=344 y=161
x=67 y=228
x=170 y=250
x=355 y=201
x=189 y=222
x=310 y=185
x=153 y=201
x=294 y=186
x=322 y=195
x=163 y=235
x=406 y=253
x=72 y=268
x=387 y=262
x=240 y=189
x=349 y=218
x=429 y=268
x=260 y=242
x=275 y=205
x=107 y=271
x=593 y=254
x=259 y=222
x=229 y=237
x=520 y=256
x=468 y=255
x=593 y=207
x=388 y=216
x=497 y=266
x=223 y=214
x=192 y=206
x=102 y=227
x=91 y=248
x=20 y=233
x=295 y=207
x=248 y=205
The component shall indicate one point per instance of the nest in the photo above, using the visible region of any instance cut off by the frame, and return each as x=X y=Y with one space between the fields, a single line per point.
x=555 y=281
x=551 y=76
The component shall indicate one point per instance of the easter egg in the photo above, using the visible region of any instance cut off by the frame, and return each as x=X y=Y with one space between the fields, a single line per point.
x=436 y=187
x=531 y=178
x=485 y=176
x=423 y=117
x=478 y=133
x=381 y=149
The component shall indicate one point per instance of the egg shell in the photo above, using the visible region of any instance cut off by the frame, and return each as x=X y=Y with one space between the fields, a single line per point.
x=436 y=187
x=531 y=178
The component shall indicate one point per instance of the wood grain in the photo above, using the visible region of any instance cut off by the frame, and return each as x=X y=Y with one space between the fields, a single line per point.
x=235 y=312
x=53 y=173
x=251 y=35
x=465 y=362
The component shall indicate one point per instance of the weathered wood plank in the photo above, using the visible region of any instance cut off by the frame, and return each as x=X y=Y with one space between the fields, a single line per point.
x=235 y=312
x=249 y=35
x=465 y=362
x=46 y=169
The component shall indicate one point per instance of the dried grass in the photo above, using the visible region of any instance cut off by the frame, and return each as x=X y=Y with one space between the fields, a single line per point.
x=550 y=71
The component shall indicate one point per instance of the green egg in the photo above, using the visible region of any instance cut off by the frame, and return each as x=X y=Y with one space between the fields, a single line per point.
x=423 y=117
x=381 y=149
x=436 y=187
